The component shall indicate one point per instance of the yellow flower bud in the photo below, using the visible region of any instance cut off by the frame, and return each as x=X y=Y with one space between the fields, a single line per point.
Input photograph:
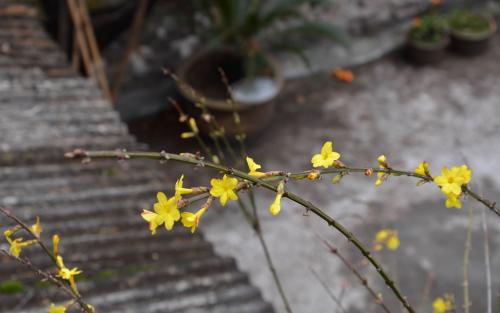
x=187 y=135
x=55 y=242
x=193 y=126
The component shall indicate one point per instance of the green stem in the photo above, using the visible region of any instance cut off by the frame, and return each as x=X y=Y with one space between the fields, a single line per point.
x=267 y=253
x=258 y=182
x=466 y=262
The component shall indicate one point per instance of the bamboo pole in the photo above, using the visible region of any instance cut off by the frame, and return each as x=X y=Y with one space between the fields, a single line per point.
x=94 y=49
x=82 y=44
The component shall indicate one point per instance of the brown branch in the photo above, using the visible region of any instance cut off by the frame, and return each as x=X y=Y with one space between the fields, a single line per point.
x=363 y=280
x=77 y=297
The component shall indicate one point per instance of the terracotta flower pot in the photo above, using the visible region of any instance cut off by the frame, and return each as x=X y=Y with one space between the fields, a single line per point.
x=472 y=44
x=423 y=53
x=201 y=74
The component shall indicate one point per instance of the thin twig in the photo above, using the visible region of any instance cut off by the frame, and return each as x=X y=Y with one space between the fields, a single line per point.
x=75 y=295
x=82 y=154
x=267 y=254
x=363 y=280
x=466 y=262
x=487 y=267
x=240 y=136
x=214 y=127
x=45 y=275
x=328 y=291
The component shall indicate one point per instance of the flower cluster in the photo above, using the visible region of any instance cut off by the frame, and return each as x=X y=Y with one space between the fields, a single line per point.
x=452 y=182
x=167 y=210
x=388 y=238
x=64 y=273
x=18 y=244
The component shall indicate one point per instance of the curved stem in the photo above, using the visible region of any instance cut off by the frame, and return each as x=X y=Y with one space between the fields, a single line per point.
x=258 y=182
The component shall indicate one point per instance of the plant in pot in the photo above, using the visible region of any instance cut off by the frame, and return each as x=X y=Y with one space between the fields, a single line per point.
x=237 y=37
x=427 y=39
x=470 y=31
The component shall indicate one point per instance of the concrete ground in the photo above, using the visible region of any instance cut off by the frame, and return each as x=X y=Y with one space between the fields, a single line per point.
x=441 y=114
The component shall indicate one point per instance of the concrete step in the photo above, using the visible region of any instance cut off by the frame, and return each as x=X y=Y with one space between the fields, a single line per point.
x=132 y=276
x=47 y=110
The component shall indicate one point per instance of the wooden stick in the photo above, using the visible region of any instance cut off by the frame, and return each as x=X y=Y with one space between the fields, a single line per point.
x=94 y=49
x=75 y=54
x=82 y=45
x=131 y=44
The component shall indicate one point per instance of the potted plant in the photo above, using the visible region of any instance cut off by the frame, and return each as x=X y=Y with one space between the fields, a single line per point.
x=237 y=37
x=470 y=31
x=427 y=39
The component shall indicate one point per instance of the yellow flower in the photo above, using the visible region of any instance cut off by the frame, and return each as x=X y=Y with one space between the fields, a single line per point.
x=439 y=306
x=191 y=220
x=17 y=245
x=382 y=161
x=165 y=212
x=179 y=190
x=67 y=274
x=64 y=272
x=453 y=202
x=224 y=189
x=382 y=235
x=381 y=178
x=423 y=169
x=253 y=167
x=388 y=238
x=55 y=243
x=393 y=243
x=327 y=156
x=442 y=305
x=276 y=205
x=452 y=180
x=36 y=228
x=465 y=173
x=56 y=308
x=11 y=231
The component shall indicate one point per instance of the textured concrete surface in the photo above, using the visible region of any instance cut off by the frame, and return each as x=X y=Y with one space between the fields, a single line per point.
x=95 y=208
x=440 y=114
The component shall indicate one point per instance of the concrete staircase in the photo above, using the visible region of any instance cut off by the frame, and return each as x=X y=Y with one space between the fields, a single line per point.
x=47 y=109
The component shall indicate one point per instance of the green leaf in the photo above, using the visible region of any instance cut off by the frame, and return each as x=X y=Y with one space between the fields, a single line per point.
x=11 y=287
x=320 y=29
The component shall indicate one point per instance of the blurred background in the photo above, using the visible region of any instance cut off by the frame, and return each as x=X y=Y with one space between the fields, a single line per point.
x=412 y=79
